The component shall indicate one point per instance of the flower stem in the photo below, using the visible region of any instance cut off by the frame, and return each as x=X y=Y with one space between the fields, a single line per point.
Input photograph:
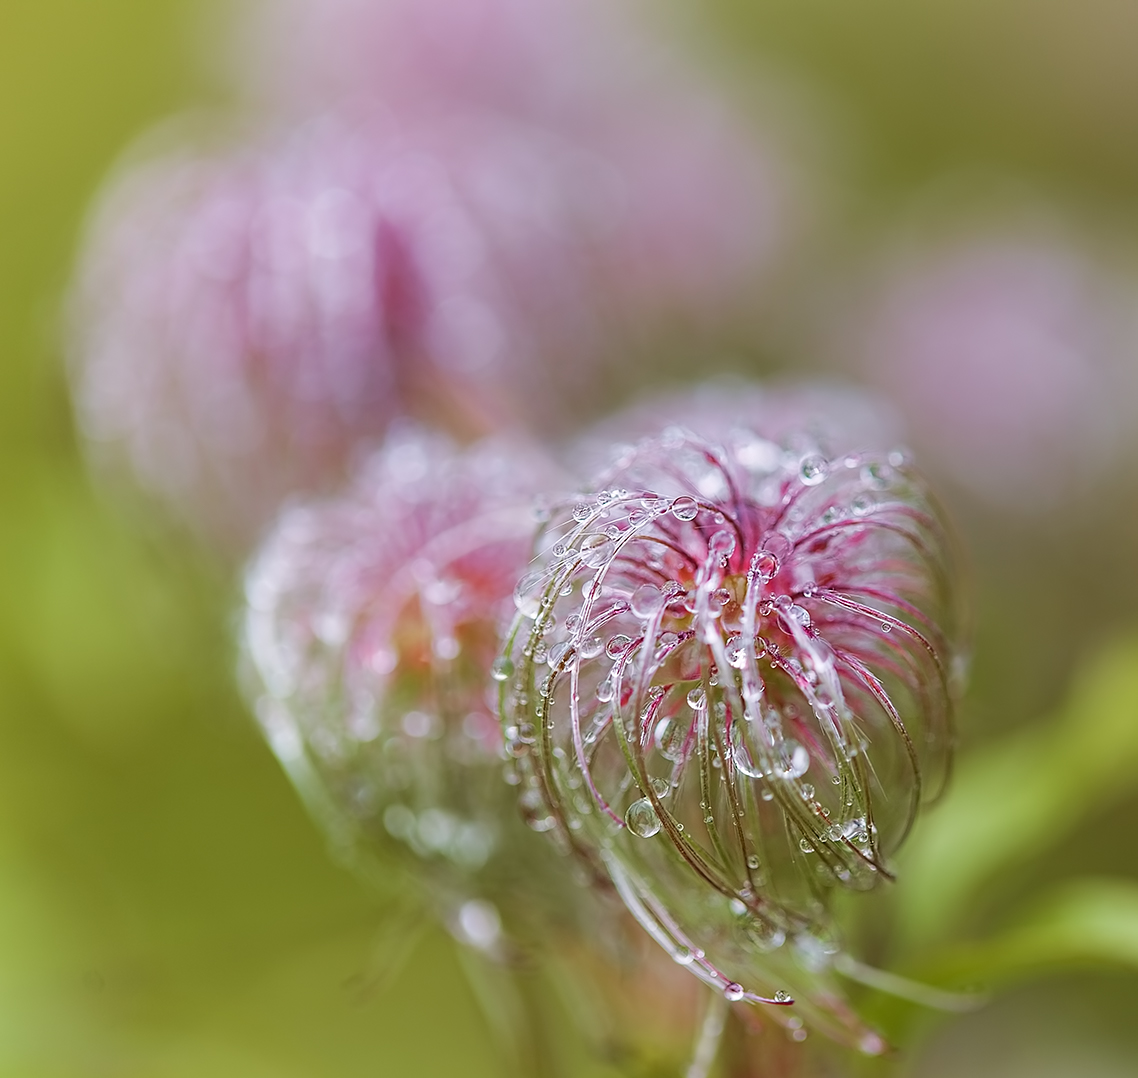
x=709 y=1037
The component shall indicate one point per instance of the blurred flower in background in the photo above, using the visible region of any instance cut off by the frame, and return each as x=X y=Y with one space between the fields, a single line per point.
x=1013 y=350
x=252 y=311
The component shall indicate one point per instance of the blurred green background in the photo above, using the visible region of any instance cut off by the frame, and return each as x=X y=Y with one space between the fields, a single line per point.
x=166 y=909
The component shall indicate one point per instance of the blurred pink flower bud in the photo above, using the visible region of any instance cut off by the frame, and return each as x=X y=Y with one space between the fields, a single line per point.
x=696 y=201
x=1010 y=353
x=371 y=625
x=737 y=654
x=245 y=322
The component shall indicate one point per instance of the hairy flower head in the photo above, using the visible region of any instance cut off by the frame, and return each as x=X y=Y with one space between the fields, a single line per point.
x=729 y=680
x=370 y=625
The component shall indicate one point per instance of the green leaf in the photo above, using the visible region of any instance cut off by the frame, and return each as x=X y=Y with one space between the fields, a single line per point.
x=1012 y=802
x=1091 y=921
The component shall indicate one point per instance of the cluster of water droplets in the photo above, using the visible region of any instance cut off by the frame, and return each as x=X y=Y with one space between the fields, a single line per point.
x=724 y=688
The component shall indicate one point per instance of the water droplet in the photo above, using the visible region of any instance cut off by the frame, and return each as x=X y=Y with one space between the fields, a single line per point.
x=572 y=623
x=670 y=736
x=782 y=996
x=616 y=645
x=876 y=475
x=647 y=600
x=605 y=690
x=661 y=787
x=721 y=544
x=764 y=935
x=743 y=762
x=641 y=818
x=559 y=652
x=502 y=669
x=582 y=511
x=685 y=508
x=798 y=614
x=886 y=626
x=683 y=956
x=733 y=992
x=527 y=596
x=597 y=549
x=697 y=698
x=795 y=761
x=546 y=687
x=812 y=470
x=805 y=846
x=591 y=648
x=753 y=861
x=736 y=651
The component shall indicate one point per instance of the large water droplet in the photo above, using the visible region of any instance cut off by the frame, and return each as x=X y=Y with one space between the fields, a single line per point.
x=616 y=645
x=685 y=508
x=795 y=761
x=591 y=648
x=721 y=544
x=647 y=600
x=733 y=992
x=527 y=594
x=559 y=652
x=670 y=736
x=697 y=698
x=744 y=763
x=812 y=470
x=502 y=669
x=597 y=549
x=736 y=651
x=641 y=818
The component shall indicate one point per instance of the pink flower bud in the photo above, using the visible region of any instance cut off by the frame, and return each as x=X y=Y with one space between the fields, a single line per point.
x=370 y=627
x=246 y=322
x=748 y=645
x=1012 y=351
x=693 y=200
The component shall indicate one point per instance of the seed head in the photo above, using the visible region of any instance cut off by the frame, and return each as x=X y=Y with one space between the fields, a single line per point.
x=370 y=626
x=742 y=693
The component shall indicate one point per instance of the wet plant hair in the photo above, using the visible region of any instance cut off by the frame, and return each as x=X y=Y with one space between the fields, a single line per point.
x=729 y=687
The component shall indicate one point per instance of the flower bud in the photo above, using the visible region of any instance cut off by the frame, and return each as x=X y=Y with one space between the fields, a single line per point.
x=370 y=626
x=747 y=695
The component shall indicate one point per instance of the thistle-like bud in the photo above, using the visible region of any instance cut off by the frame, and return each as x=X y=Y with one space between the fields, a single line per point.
x=735 y=657
x=371 y=625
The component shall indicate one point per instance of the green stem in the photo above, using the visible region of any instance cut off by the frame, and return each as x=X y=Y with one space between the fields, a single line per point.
x=709 y=1037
